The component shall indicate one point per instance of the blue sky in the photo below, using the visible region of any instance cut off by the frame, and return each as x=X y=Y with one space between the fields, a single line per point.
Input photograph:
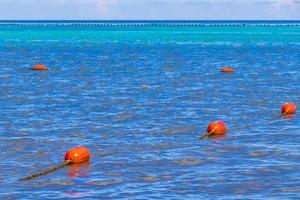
x=150 y=9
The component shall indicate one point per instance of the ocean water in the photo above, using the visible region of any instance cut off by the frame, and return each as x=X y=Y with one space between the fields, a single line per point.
x=139 y=98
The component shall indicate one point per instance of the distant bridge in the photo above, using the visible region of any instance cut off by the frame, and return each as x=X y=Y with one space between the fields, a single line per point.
x=166 y=24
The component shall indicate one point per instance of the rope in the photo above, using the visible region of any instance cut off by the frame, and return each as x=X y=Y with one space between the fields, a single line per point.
x=283 y=114
x=207 y=134
x=53 y=169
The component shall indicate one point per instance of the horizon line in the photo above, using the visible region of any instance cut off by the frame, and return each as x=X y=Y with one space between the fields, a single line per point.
x=195 y=20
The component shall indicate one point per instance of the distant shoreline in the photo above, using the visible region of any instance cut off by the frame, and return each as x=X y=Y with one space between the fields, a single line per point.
x=149 y=22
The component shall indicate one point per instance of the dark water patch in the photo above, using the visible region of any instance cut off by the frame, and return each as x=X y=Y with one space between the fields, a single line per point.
x=189 y=161
x=123 y=117
x=103 y=154
x=265 y=153
x=78 y=135
x=162 y=147
x=167 y=177
x=52 y=183
x=9 y=196
x=210 y=155
x=151 y=179
x=105 y=136
x=105 y=183
x=248 y=187
x=179 y=130
x=39 y=155
x=291 y=190
x=114 y=174
x=227 y=149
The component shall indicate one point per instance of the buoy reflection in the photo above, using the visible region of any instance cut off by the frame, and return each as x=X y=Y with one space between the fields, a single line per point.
x=80 y=169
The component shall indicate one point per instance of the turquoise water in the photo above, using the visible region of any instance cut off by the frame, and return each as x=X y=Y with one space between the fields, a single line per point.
x=138 y=98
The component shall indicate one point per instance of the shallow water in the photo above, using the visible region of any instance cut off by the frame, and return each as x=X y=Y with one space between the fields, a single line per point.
x=138 y=98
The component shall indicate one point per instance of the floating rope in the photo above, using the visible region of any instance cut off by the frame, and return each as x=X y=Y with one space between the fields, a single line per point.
x=53 y=169
x=205 y=135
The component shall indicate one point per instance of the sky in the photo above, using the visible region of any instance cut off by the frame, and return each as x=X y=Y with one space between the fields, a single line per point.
x=150 y=9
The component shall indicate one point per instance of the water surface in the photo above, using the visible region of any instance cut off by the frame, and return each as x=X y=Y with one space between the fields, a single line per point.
x=138 y=98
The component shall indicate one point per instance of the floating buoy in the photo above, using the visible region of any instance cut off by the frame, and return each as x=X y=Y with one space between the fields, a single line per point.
x=77 y=155
x=215 y=128
x=227 y=70
x=73 y=156
x=40 y=67
x=288 y=109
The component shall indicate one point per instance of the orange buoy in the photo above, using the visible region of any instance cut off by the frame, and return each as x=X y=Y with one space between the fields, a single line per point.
x=214 y=129
x=227 y=70
x=77 y=155
x=40 y=67
x=217 y=128
x=288 y=109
